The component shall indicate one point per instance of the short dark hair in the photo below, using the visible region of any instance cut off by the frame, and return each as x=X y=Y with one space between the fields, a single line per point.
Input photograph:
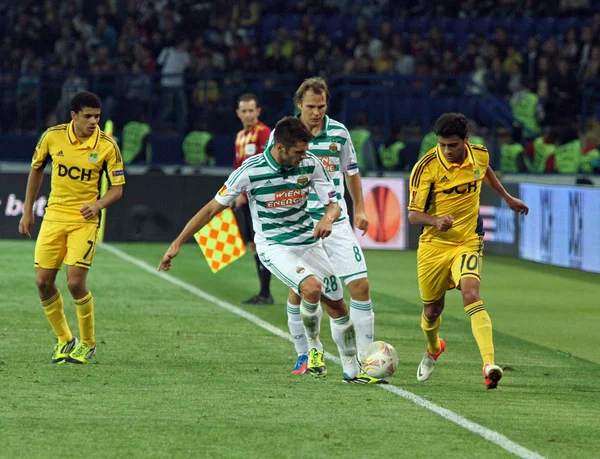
x=85 y=99
x=450 y=124
x=247 y=97
x=289 y=131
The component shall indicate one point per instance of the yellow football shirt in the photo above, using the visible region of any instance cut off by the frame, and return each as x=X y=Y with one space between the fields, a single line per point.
x=440 y=188
x=77 y=167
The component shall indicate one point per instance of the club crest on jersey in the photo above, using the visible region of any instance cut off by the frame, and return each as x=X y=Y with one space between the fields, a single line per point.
x=302 y=181
x=333 y=147
x=477 y=174
x=300 y=269
x=93 y=156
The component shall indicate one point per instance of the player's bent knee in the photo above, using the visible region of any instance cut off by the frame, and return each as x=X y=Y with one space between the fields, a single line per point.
x=310 y=288
x=433 y=310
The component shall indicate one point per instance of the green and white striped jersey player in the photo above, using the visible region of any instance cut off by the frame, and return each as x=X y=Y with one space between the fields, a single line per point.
x=287 y=239
x=332 y=144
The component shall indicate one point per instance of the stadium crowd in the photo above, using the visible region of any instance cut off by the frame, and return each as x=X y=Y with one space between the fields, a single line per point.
x=73 y=45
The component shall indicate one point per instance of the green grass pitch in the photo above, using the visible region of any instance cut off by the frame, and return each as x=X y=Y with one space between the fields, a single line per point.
x=178 y=376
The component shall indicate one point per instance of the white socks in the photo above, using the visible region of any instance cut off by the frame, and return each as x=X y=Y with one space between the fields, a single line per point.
x=342 y=331
x=363 y=317
x=296 y=328
x=311 y=318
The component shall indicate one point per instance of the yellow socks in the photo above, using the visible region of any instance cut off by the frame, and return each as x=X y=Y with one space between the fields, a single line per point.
x=54 y=310
x=431 y=331
x=482 y=330
x=85 y=316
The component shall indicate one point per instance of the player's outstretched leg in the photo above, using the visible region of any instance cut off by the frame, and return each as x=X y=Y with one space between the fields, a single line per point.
x=361 y=314
x=427 y=365
x=431 y=320
x=481 y=325
x=344 y=336
x=296 y=328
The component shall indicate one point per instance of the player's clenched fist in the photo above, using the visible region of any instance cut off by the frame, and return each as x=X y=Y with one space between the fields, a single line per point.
x=165 y=263
x=444 y=223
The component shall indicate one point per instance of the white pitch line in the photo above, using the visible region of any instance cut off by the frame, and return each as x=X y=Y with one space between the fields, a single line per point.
x=490 y=435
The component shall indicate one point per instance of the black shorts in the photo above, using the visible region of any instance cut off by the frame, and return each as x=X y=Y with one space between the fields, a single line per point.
x=244 y=221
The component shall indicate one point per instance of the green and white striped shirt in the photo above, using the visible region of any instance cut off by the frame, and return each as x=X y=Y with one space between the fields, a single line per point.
x=278 y=197
x=335 y=150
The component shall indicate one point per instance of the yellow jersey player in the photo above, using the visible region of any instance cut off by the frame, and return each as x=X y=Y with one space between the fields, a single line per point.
x=444 y=198
x=80 y=154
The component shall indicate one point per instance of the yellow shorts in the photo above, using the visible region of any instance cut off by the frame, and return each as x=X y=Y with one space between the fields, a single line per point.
x=73 y=243
x=440 y=268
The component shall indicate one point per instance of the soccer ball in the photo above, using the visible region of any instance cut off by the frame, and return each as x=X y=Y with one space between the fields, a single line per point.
x=380 y=359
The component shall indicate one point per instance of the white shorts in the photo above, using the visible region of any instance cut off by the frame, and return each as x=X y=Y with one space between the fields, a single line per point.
x=345 y=253
x=292 y=264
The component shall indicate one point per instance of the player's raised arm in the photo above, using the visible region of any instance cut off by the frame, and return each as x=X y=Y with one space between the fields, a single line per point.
x=235 y=184
x=197 y=222
x=515 y=204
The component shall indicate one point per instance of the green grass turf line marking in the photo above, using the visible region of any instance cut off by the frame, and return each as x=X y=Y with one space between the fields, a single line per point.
x=488 y=434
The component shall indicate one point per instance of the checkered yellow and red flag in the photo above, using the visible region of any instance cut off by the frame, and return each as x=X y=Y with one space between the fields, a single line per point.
x=221 y=241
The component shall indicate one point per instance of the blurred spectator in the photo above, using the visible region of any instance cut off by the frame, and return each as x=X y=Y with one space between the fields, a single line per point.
x=512 y=57
x=512 y=153
x=478 y=76
x=282 y=45
x=363 y=143
x=568 y=153
x=514 y=78
x=27 y=93
x=592 y=69
x=428 y=142
x=106 y=35
x=467 y=59
x=523 y=104
x=563 y=86
x=569 y=49
x=546 y=108
x=174 y=61
x=585 y=56
x=137 y=93
x=590 y=159
x=496 y=80
x=391 y=153
x=541 y=152
x=530 y=61
x=405 y=63
x=246 y=13
x=337 y=61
